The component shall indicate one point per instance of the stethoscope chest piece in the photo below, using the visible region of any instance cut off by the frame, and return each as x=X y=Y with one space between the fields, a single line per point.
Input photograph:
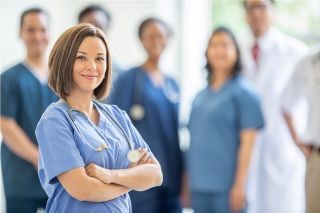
x=133 y=155
x=137 y=112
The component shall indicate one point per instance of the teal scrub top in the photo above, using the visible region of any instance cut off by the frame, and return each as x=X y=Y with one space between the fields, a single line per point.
x=23 y=99
x=216 y=121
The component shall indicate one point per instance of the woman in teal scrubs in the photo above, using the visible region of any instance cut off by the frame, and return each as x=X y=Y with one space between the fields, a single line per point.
x=224 y=120
x=91 y=155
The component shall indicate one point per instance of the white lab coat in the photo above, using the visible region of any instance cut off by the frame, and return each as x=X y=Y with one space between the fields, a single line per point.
x=276 y=175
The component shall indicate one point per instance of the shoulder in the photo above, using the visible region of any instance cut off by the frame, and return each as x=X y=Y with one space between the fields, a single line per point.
x=56 y=111
x=128 y=74
x=201 y=95
x=243 y=88
x=290 y=43
x=13 y=71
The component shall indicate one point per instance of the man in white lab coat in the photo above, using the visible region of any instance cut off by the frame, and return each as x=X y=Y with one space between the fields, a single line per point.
x=276 y=178
x=305 y=83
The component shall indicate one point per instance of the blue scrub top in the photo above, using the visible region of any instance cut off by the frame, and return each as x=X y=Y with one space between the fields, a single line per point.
x=159 y=127
x=62 y=148
x=23 y=99
x=216 y=121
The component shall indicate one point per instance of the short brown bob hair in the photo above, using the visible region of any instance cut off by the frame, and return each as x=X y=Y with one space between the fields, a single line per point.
x=63 y=56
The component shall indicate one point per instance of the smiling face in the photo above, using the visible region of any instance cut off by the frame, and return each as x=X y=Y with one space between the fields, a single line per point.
x=221 y=52
x=154 y=39
x=90 y=65
x=34 y=32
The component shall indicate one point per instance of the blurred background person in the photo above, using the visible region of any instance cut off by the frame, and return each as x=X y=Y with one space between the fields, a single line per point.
x=224 y=119
x=101 y=18
x=24 y=97
x=305 y=83
x=151 y=99
x=277 y=173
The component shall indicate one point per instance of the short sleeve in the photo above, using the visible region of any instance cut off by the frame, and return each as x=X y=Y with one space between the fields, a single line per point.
x=57 y=147
x=9 y=95
x=250 y=115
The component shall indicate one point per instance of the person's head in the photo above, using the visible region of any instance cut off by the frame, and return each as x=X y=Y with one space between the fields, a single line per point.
x=153 y=34
x=223 y=54
x=80 y=60
x=34 y=31
x=258 y=15
x=96 y=15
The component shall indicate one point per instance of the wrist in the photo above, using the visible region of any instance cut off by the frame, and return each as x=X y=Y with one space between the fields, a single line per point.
x=114 y=175
x=239 y=184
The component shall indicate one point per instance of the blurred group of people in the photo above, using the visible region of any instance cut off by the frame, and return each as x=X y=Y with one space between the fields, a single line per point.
x=245 y=153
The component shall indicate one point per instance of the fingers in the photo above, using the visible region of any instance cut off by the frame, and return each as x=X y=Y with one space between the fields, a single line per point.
x=145 y=155
x=90 y=169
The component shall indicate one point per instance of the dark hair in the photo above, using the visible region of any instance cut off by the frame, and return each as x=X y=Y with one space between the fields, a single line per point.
x=32 y=10
x=150 y=20
x=92 y=8
x=244 y=2
x=63 y=56
x=238 y=65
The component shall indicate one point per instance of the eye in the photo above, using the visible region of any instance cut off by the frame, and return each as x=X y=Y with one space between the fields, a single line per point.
x=81 y=57
x=100 y=58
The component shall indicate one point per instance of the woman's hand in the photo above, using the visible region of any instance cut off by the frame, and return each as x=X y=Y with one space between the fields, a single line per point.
x=237 y=199
x=144 y=158
x=102 y=174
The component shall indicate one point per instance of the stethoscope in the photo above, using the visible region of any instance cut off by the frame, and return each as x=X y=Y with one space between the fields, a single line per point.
x=137 y=112
x=133 y=154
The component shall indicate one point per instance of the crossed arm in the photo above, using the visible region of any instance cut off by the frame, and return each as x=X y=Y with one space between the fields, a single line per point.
x=99 y=184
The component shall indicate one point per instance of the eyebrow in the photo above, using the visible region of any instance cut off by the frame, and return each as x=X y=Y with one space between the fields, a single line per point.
x=86 y=53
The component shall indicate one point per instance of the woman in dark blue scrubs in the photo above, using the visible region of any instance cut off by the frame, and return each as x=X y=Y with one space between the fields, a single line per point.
x=151 y=99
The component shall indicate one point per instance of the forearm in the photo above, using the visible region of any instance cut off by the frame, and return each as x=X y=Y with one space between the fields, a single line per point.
x=18 y=142
x=97 y=191
x=84 y=188
x=138 y=178
x=244 y=156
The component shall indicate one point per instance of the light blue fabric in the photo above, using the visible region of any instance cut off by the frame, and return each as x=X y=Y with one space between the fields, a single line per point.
x=216 y=121
x=62 y=148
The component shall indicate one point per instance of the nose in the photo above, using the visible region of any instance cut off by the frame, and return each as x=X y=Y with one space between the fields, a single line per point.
x=91 y=65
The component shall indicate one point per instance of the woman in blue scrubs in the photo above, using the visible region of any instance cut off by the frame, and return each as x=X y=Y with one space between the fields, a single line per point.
x=151 y=100
x=224 y=120
x=91 y=155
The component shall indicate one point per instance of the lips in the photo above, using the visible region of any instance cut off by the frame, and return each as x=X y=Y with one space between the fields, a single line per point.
x=89 y=77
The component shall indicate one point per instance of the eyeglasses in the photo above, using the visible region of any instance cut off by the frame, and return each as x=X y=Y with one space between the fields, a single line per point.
x=258 y=7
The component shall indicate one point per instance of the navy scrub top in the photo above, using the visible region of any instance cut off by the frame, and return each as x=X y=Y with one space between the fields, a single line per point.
x=159 y=127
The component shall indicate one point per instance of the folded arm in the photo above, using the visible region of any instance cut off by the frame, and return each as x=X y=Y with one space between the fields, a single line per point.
x=142 y=176
x=85 y=188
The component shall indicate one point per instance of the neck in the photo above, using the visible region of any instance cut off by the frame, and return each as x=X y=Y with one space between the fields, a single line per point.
x=38 y=62
x=81 y=102
x=220 y=77
x=152 y=65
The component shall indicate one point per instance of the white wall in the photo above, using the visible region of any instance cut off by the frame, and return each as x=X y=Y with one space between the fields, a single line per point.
x=126 y=17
